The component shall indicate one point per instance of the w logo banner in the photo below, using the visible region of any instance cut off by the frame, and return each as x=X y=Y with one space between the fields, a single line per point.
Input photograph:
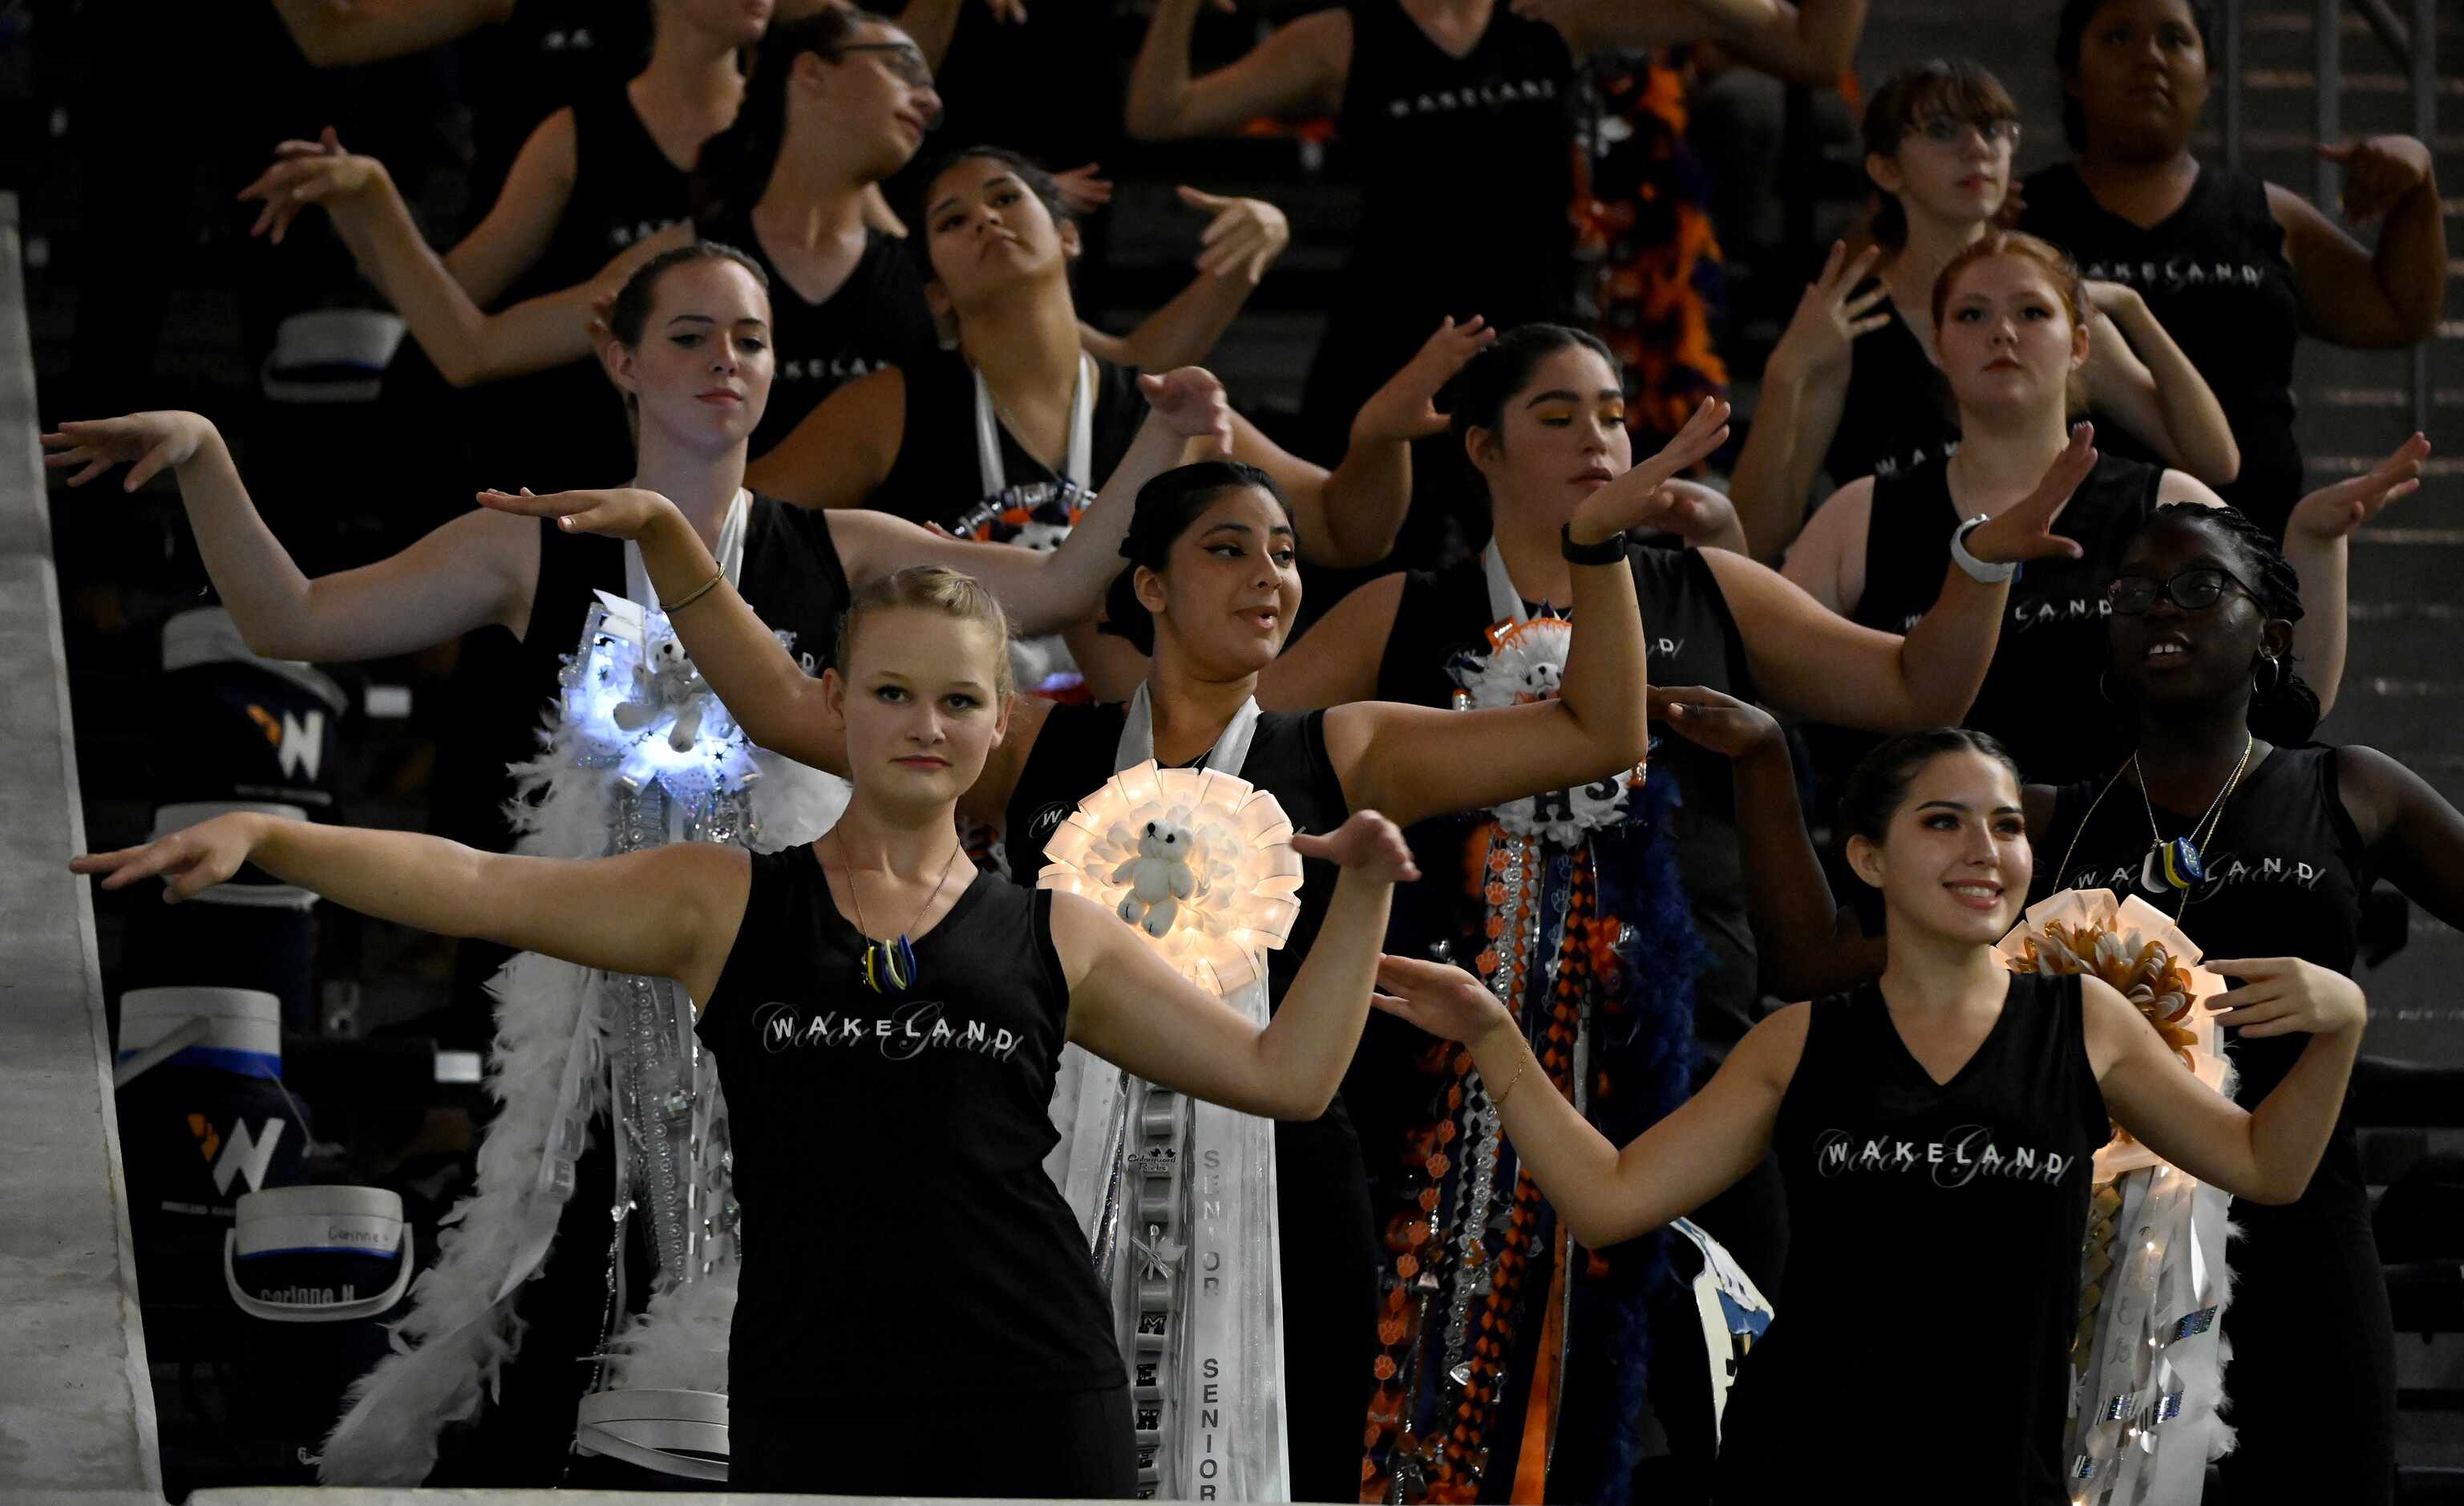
x=299 y=742
x=243 y=1155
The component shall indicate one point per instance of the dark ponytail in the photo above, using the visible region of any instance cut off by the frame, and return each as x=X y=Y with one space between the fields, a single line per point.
x=2283 y=708
x=1165 y=508
x=733 y=170
x=1878 y=786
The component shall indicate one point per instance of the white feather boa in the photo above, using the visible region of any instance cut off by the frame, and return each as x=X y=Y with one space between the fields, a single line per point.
x=457 y=1335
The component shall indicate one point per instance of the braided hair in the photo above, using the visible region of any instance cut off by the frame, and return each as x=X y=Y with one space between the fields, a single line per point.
x=2283 y=708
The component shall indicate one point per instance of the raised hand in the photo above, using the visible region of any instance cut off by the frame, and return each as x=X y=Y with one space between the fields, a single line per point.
x=1367 y=844
x=305 y=173
x=1083 y=189
x=2025 y=532
x=2333 y=511
x=2286 y=996
x=1406 y=407
x=1192 y=401
x=621 y=513
x=1245 y=235
x=2379 y=172
x=1831 y=314
x=1712 y=719
x=1630 y=500
x=1440 y=998
x=146 y=443
x=1693 y=512
x=190 y=861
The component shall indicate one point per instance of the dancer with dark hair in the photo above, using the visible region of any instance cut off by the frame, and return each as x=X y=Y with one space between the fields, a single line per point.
x=834 y=1384
x=2226 y=814
x=1648 y=886
x=2237 y=268
x=1001 y=436
x=1212 y=549
x=837 y=101
x=1951 y=1108
x=2012 y=335
x=1854 y=387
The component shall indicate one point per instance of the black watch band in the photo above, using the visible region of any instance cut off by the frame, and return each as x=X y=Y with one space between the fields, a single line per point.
x=1610 y=550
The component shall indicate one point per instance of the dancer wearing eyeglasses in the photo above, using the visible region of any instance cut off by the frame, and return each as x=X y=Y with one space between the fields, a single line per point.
x=2012 y=331
x=1852 y=389
x=2263 y=844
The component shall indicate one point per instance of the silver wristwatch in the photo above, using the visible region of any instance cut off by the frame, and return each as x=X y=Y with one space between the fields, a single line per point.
x=1977 y=570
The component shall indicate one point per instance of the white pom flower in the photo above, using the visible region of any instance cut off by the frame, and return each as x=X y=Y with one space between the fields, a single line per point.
x=1200 y=862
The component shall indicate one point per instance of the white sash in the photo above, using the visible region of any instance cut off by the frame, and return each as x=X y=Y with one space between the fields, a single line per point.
x=1082 y=434
x=729 y=552
x=1191 y=1236
x=1231 y=750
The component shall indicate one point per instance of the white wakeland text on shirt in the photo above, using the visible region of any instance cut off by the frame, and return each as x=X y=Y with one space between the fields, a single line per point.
x=1967 y=1155
x=905 y=1032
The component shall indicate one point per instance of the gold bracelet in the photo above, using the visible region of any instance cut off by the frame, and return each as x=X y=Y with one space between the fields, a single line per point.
x=696 y=594
x=1499 y=1101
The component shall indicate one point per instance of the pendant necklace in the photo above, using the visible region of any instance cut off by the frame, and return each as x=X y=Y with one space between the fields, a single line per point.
x=2178 y=864
x=890 y=965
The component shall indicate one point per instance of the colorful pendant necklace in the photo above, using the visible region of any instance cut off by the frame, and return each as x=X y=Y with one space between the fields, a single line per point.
x=890 y=965
x=2169 y=866
x=2177 y=865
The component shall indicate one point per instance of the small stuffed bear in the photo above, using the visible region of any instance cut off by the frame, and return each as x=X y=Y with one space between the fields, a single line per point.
x=666 y=681
x=1158 y=877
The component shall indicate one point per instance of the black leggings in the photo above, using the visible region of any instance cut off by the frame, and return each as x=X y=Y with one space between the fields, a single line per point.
x=1056 y=1446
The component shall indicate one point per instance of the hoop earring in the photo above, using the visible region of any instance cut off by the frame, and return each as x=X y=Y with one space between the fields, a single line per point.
x=2104 y=691
x=2269 y=661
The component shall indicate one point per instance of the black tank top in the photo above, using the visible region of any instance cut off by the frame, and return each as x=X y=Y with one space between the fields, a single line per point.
x=938 y=480
x=1418 y=124
x=2053 y=637
x=1074 y=752
x=1693 y=640
x=1897 y=413
x=902 y=1240
x=1896 y=1187
x=570 y=419
x=546 y=56
x=876 y=318
x=2286 y=873
x=2215 y=274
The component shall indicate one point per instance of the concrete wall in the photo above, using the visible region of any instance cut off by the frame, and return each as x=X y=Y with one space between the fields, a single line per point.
x=77 y=1409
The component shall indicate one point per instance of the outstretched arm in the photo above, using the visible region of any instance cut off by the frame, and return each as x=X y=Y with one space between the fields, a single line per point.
x=469 y=347
x=2266 y=1154
x=2318 y=543
x=340 y=33
x=1046 y=592
x=1814 y=663
x=1811 y=946
x=1414 y=762
x=1606 y=1195
x=672 y=911
x=1298 y=70
x=472 y=571
x=1129 y=1007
